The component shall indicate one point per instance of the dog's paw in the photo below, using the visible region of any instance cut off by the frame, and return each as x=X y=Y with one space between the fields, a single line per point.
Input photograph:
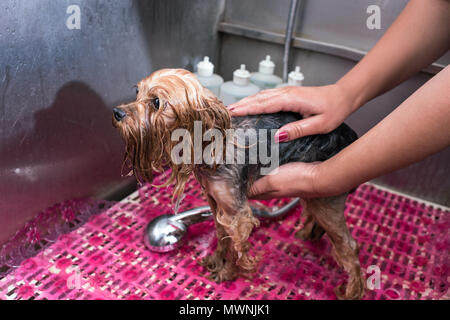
x=212 y=263
x=303 y=234
x=310 y=233
x=354 y=290
x=224 y=274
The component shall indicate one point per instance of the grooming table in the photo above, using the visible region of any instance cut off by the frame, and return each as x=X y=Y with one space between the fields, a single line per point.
x=105 y=258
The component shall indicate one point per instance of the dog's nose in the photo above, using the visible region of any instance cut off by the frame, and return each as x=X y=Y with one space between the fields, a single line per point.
x=119 y=114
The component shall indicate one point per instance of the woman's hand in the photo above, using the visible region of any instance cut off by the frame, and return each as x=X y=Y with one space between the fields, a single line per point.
x=295 y=179
x=323 y=108
x=415 y=130
x=418 y=37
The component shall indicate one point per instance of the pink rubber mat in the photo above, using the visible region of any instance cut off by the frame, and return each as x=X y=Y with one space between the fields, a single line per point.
x=105 y=258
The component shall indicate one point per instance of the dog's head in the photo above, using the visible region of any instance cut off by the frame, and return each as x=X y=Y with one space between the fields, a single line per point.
x=166 y=100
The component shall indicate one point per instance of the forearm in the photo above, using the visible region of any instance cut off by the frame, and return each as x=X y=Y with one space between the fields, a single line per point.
x=420 y=35
x=418 y=128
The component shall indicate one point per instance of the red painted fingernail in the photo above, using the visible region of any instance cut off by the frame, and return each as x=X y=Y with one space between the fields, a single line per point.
x=281 y=136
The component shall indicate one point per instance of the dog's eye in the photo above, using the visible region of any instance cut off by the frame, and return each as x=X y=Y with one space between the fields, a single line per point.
x=137 y=90
x=156 y=103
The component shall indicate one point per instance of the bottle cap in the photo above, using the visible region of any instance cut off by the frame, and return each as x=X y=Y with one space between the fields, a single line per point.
x=241 y=76
x=205 y=68
x=267 y=66
x=296 y=77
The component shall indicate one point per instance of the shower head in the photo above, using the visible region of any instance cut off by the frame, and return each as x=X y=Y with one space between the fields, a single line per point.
x=166 y=232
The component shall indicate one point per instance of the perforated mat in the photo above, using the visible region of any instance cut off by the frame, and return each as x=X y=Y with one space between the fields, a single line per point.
x=106 y=259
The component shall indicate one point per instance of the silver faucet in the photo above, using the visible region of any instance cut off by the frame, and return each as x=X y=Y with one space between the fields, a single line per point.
x=166 y=232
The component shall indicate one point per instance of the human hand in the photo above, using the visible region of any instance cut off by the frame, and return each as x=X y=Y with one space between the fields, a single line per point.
x=323 y=108
x=294 y=179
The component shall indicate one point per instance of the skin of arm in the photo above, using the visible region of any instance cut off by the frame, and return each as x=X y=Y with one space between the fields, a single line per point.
x=418 y=36
x=419 y=127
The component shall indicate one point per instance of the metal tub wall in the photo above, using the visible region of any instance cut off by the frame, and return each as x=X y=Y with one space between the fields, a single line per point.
x=57 y=88
x=330 y=37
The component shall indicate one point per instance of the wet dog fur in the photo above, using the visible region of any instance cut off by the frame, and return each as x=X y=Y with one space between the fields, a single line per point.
x=173 y=98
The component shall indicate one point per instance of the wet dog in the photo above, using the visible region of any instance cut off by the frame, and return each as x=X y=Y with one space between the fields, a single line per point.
x=171 y=100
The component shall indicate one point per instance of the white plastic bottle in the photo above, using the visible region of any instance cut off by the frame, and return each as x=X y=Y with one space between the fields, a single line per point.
x=295 y=78
x=206 y=76
x=264 y=78
x=240 y=87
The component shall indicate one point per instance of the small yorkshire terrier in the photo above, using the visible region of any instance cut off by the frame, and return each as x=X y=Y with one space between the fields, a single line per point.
x=171 y=99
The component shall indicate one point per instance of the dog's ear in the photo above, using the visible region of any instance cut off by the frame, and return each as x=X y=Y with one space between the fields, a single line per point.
x=186 y=101
x=202 y=106
x=213 y=113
